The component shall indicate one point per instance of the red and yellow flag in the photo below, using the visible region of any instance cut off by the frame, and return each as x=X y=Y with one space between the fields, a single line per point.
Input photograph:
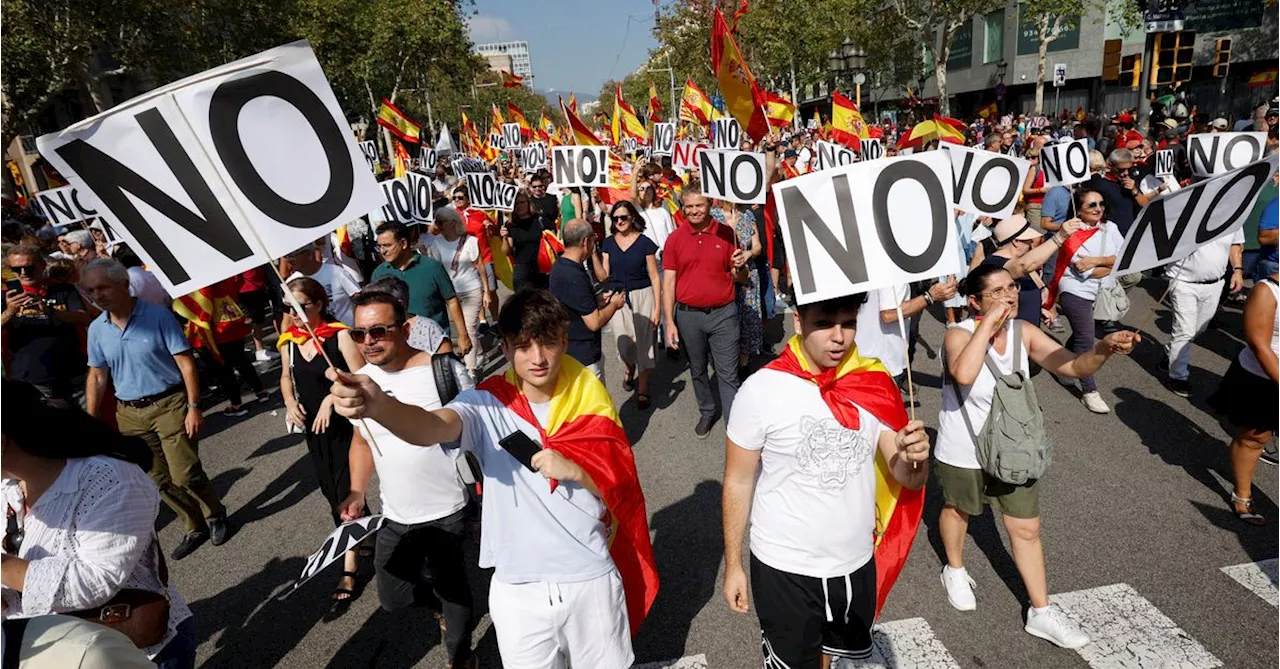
x=866 y=383
x=510 y=80
x=1263 y=79
x=396 y=121
x=517 y=116
x=573 y=102
x=655 y=105
x=579 y=133
x=213 y=316
x=583 y=426
x=399 y=159
x=737 y=86
x=989 y=111
x=495 y=118
x=847 y=126
x=695 y=106
x=625 y=123
x=779 y=108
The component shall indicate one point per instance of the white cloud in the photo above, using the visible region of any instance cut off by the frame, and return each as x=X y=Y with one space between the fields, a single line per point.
x=488 y=28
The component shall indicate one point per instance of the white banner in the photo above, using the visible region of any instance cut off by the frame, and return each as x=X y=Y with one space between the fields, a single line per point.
x=685 y=155
x=871 y=148
x=1065 y=164
x=427 y=159
x=869 y=225
x=510 y=136
x=985 y=183
x=482 y=190
x=235 y=166
x=735 y=176
x=369 y=150
x=397 y=201
x=504 y=197
x=66 y=204
x=831 y=155
x=423 y=195
x=726 y=134
x=1222 y=152
x=336 y=545
x=464 y=165
x=575 y=166
x=1164 y=162
x=663 y=139
x=630 y=146
x=534 y=157
x=1174 y=225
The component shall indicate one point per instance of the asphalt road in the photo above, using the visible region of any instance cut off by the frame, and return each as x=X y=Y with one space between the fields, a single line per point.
x=1136 y=529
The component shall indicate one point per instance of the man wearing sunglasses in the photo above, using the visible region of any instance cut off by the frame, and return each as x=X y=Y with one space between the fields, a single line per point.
x=546 y=207
x=419 y=548
x=40 y=322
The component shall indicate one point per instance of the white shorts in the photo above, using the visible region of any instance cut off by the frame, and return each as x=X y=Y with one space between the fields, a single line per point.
x=550 y=625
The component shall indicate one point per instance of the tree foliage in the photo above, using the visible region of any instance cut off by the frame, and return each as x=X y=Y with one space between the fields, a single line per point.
x=935 y=23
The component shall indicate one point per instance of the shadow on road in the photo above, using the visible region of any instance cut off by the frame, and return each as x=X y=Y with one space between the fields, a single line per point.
x=688 y=547
x=287 y=489
x=663 y=391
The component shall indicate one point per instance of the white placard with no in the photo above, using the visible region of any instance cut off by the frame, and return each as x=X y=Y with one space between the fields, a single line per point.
x=1164 y=163
x=726 y=133
x=397 y=201
x=423 y=195
x=735 y=176
x=871 y=148
x=1222 y=152
x=369 y=150
x=66 y=204
x=1065 y=163
x=685 y=155
x=482 y=190
x=869 y=225
x=576 y=166
x=235 y=166
x=1174 y=225
x=985 y=183
x=830 y=154
x=336 y=545
x=663 y=139
x=510 y=136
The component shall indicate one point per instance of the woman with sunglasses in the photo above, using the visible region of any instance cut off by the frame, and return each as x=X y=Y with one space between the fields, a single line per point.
x=309 y=407
x=459 y=252
x=750 y=316
x=1084 y=265
x=521 y=240
x=631 y=260
x=79 y=532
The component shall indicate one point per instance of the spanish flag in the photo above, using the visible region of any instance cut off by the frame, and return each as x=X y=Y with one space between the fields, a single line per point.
x=400 y=125
x=583 y=426
x=741 y=96
x=295 y=335
x=989 y=111
x=212 y=315
x=1263 y=79
x=510 y=80
x=847 y=126
x=695 y=106
x=579 y=133
x=400 y=161
x=625 y=123
x=546 y=131
x=866 y=383
x=655 y=105
x=573 y=102
x=550 y=249
x=779 y=108
x=495 y=118
x=517 y=116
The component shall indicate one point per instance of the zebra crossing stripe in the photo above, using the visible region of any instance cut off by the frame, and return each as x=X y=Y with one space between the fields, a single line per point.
x=906 y=644
x=1259 y=577
x=689 y=662
x=1129 y=631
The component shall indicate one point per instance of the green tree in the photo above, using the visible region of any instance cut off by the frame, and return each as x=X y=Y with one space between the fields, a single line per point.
x=936 y=23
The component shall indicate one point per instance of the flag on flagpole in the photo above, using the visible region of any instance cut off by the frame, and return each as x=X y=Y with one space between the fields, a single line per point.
x=496 y=119
x=573 y=102
x=510 y=80
x=396 y=121
x=579 y=133
x=655 y=105
x=695 y=106
x=625 y=123
x=779 y=108
x=847 y=126
x=400 y=159
x=517 y=116
x=741 y=96
x=989 y=111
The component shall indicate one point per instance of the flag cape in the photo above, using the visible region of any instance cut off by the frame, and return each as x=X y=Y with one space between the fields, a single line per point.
x=847 y=126
x=737 y=86
x=781 y=111
x=1069 y=248
x=625 y=124
x=510 y=80
x=517 y=116
x=394 y=120
x=655 y=105
x=866 y=383
x=296 y=335
x=550 y=249
x=583 y=426
x=212 y=315
x=695 y=106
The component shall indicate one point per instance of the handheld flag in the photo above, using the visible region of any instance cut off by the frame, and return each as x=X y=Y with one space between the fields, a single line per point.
x=517 y=116
x=847 y=126
x=655 y=105
x=741 y=96
x=510 y=80
x=625 y=123
x=695 y=106
x=989 y=111
x=212 y=314
x=495 y=119
x=573 y=102
x=400 y=125
x=779 y=108
x=579 y=133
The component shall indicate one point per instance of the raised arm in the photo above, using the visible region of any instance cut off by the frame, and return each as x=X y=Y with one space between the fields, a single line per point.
x=358 y=396
x=1048 y=353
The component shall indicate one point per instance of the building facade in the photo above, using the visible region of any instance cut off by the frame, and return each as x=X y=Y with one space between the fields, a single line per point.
x=517 y=52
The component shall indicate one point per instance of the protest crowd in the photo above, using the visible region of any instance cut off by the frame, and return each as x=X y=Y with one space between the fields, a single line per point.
x=456 y=351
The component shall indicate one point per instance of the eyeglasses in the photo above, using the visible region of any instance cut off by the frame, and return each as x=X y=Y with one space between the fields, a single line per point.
x=23 y=269
x=1093 y=205
x=622 y=217
x=1009 y=289
x=537 y=186
x=377 y=332
x=459 y=198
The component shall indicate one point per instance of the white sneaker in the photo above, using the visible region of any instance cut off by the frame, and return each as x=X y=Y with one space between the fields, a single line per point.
x=959 y=588
x=1056 y=628
x=266 y=355
x=1093 y=402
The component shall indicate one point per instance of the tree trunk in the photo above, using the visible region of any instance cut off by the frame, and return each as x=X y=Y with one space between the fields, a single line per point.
x=940 y=68
x=1042 y=32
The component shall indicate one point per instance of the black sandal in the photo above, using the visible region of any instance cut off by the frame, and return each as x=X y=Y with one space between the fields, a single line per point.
x=642 y=401
x=342 y=597
x=1248 y=515
x=628 y=383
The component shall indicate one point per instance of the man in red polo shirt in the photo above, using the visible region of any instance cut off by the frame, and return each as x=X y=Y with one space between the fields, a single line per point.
x=700 y=263
x=480 y=227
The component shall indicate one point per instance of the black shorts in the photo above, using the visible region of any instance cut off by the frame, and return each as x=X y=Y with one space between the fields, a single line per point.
x=803 y=618
x=779 y=259
x=255 y=305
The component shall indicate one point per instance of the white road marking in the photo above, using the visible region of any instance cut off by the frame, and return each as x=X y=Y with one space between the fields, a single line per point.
x=1259 y=577
x=905 y=644
x=1129 y=632
x=688 y=662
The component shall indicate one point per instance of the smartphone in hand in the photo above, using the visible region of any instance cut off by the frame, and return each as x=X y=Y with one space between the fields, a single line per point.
x=521 y=447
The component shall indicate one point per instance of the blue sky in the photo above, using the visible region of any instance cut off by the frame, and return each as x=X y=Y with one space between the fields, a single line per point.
x=573 y=45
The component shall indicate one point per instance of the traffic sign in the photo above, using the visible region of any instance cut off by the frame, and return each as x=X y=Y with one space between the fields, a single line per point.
x=1164 y=22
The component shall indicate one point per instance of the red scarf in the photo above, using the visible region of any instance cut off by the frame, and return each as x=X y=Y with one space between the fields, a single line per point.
x=296 y=335
x=583 y=426
x=1069 y=248
x=864 y=382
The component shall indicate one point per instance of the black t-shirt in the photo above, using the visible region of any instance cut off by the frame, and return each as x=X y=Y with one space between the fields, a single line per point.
x=571 y=284
x=526 y=238
x=44 y=351
x=1028 y=292
x=547 y=208
x=1122 y=207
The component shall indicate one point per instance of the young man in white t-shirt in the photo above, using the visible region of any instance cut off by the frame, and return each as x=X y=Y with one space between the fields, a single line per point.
x=813 y=505
x=420 y=544
x=557 y=594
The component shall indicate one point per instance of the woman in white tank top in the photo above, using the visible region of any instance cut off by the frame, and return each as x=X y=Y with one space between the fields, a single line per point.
x=993 y=293
x=1248 y=394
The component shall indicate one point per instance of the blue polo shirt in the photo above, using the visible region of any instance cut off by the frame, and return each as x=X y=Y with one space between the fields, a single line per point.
x=139 y=357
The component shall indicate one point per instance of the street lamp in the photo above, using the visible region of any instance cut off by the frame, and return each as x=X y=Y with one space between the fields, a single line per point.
x=849 y=60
